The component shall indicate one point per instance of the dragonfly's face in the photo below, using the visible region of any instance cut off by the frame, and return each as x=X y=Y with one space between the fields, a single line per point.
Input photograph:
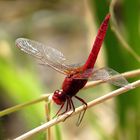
x=59 y=97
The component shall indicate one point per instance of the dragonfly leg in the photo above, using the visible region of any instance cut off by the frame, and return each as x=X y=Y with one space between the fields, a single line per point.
x=81 y=115
x=71 y=105
x=57 y=114
x=68 y=107
x=69 y=100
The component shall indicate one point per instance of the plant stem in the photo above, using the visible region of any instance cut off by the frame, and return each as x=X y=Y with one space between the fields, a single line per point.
x=79 y=109
x=20 y=106
x=48 y=118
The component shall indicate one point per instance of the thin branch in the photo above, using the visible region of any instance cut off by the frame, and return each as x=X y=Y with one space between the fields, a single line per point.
x=129 y=74
x=115 y=29
x=20 y=106
x=48 y=118
x=79 y=109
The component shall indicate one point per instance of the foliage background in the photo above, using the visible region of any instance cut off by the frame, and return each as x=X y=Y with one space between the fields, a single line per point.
x=69 y=26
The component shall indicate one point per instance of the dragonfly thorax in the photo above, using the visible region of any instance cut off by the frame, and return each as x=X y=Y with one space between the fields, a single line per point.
x=59 y=97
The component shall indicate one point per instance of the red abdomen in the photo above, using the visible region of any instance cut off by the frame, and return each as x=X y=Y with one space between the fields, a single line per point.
x=97 y=44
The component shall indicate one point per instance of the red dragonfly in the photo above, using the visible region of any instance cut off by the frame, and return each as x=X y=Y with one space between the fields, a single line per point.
x=76 y=75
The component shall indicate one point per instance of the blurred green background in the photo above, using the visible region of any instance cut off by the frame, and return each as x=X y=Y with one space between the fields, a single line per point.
x=69 y=26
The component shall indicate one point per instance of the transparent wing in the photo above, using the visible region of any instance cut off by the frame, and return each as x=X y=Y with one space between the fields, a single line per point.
x=48 y=55
x=75 y=66
x=109 y=75
x=56 y=60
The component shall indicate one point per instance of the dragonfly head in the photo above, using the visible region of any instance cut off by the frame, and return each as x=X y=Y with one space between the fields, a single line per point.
x=59 y=97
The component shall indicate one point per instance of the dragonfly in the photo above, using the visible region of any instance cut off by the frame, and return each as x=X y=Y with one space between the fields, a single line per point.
x=77 y=75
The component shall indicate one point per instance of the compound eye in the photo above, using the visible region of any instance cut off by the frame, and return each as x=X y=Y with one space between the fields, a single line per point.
x=57 y=97
x=57 y=91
